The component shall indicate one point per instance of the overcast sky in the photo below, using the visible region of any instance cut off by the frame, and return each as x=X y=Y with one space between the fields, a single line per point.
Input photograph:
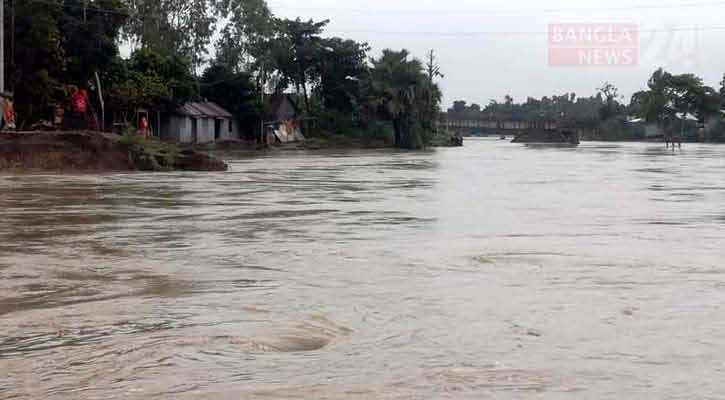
x=490 y=48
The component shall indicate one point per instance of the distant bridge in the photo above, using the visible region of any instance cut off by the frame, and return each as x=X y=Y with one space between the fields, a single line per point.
x=468 y=127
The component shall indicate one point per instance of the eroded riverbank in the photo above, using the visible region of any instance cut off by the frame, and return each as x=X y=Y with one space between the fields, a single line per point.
x=96 y=152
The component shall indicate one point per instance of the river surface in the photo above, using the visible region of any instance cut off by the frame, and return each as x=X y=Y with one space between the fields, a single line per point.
x=495 y=270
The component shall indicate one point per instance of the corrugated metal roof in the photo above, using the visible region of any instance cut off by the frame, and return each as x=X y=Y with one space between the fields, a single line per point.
x=203 y=109
x=274 y=103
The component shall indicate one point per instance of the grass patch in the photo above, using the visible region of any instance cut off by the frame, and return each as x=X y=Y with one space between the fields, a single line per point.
x=164 y=154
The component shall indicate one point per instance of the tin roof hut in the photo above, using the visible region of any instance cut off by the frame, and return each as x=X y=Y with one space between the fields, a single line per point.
x=199 y=122
x=282 y=120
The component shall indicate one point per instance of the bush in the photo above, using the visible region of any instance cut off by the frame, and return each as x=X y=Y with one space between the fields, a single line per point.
x=716 y=131
x=150 y=151
x=334 y=123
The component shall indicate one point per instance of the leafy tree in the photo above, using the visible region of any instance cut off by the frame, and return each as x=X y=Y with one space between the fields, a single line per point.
x=690 y=95
x=459 y=106
x=245 y=38
x=60 y=44
x=149 y=80
x=669 y=95
x=400 y=90
x=297 y=51
x=655 y=104
x=340 y=67
x=39 y=59
x=172 y=27
x=234 y=91
x=89 y=31
x=611 y=107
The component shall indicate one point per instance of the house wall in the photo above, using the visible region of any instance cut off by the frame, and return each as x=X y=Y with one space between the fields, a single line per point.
x=176 y=128
x=286 y=110
x=205 y=130
x=226 y=133
x=652 y=130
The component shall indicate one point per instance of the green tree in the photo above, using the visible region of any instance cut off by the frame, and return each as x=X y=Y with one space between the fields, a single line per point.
x=180 y=28
x=245 y=38
x=655 y=104
x=39 y=60
x=690 y=95
x=297 y=52
x=89 y=30
x=670 y=95
x=400 y=91
x=340 y=66
x=612 y=107
x=234 y=91
x=60 y=44
x=149 y=80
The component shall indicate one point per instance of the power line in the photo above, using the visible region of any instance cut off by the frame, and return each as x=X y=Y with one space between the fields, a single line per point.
x=471 y=33
x=88 y=8
x=497 y=11
x=515 y=33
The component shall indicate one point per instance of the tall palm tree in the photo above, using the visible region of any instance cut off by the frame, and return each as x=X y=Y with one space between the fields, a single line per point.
x=401 y=92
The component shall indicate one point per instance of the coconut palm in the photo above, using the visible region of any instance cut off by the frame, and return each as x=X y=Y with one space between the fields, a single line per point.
x=400 y=91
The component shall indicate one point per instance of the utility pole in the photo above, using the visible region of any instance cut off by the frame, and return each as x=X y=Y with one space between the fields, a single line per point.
x=103 y=105
x=2 y=46
x=12 y=46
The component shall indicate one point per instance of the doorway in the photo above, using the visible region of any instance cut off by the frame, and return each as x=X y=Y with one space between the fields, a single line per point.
x=194 y=130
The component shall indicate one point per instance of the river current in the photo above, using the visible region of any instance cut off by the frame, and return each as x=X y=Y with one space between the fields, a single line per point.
x=496 y=270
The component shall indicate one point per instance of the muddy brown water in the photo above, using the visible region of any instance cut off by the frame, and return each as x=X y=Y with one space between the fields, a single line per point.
x=493 y=271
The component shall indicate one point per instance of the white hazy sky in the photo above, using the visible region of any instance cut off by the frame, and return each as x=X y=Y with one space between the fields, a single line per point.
x=490 y=48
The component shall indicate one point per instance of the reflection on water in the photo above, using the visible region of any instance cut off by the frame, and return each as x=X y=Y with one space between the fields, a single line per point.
x=496 y=270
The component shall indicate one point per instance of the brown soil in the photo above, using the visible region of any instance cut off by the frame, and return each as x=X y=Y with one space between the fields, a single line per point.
x=85 y=151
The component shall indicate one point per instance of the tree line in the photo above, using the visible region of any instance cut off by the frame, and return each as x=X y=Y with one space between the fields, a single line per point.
x=59 y=44
x=668 y=102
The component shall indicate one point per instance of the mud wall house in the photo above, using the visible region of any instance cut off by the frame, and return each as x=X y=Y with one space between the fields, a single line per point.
x=199 y=122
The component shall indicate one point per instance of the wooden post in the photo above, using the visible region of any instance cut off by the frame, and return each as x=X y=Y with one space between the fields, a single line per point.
x=12 y=46
x=103 y=106
x=261 y=98
x=2 y=47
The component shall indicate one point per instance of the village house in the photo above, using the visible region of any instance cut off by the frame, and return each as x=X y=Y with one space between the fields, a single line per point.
x=282 y=123
x=199 y=123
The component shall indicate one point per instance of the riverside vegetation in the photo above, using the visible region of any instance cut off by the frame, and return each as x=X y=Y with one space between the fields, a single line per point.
x=391 y=98
x=673 y=104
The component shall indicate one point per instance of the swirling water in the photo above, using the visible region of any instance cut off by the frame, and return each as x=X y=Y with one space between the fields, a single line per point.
x=495 y=270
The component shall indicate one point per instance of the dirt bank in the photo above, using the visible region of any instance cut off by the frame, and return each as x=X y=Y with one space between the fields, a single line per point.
x=96 y=151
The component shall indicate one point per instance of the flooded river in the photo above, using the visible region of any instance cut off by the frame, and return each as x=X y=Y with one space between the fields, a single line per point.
x=492 y=271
